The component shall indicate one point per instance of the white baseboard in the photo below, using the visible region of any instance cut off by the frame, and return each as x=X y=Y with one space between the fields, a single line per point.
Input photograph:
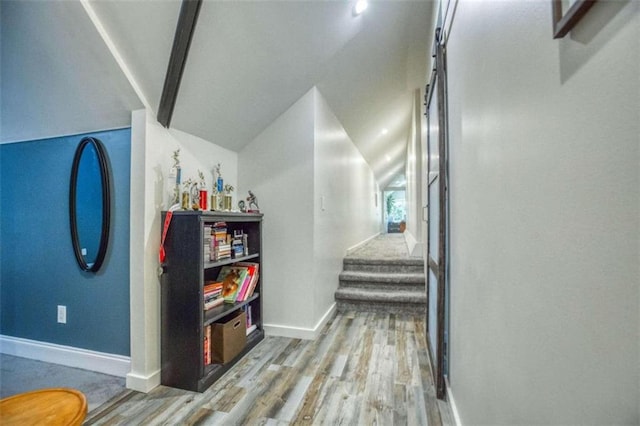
x=452 y=403
x=141 y=383
x=414 y=247
x=299 y=332
x=112 y=364
x=361 y=243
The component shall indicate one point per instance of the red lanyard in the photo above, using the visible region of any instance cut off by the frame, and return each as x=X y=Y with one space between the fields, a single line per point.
x=167 y=220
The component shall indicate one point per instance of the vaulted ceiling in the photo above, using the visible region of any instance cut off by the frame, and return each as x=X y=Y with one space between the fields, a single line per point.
x=250 y=61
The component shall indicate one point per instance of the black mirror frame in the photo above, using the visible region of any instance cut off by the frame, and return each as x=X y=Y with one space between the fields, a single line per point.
x=105 y=176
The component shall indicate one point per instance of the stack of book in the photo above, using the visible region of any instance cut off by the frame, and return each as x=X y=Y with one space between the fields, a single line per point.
x=212 y=295
x=223 y=251
x=221 y=243
x=239 y=281
x=207 y=242
x=238 y=243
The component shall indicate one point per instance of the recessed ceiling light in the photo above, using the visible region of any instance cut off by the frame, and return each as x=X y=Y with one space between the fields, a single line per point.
x=385 y=131
x=388 y=158
x=360 y=7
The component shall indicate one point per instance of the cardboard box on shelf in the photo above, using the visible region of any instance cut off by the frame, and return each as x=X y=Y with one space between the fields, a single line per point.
x=228 y=338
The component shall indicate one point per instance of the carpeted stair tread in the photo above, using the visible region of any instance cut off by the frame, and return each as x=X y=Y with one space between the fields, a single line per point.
x=406 y=265
x=383 y=277
x=383 y=261
x=401 y=308
x=396 y=296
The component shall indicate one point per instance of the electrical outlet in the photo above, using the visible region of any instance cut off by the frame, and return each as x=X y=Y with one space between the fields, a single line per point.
x=62 y=314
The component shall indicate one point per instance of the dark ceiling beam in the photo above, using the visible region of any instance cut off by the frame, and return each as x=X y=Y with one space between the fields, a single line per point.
x=181 y=42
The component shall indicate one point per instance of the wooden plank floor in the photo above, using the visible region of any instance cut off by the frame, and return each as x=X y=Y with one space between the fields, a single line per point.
x=364 y=369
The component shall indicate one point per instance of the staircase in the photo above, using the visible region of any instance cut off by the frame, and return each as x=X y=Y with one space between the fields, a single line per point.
x=381 y=277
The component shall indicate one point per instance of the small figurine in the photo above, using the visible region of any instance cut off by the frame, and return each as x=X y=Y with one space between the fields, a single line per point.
x=253 y=201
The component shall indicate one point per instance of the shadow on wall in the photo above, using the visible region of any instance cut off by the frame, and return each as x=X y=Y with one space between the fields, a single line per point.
x=588 y=37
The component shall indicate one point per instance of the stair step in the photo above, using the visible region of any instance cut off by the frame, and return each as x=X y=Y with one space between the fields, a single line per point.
x=383 y=264
x=344 y=306
x=382 y=296
x=383 y=277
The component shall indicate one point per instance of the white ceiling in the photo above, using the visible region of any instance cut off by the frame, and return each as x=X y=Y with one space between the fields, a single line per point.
x=249 y=62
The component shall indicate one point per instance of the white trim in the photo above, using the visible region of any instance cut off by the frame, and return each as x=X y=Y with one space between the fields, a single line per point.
x=452 y=403
x=414 y=247
x=299 y=332
x=144 y=384
x=361 y=243
x=115 y=53
x=112 y=364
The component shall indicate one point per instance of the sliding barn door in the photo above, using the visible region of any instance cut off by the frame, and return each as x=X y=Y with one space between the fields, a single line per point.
x=437 y=286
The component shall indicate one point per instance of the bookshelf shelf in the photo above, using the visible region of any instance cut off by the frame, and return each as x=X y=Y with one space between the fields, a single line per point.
x=218 y=312
x=183 y=319
x=230 y=261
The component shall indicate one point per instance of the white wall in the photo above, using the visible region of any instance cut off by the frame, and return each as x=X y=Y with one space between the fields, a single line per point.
x=545 y=229
x=277 y=166
x=345 y=211
x=302 y=162
x=413 y=166
x=151 y=148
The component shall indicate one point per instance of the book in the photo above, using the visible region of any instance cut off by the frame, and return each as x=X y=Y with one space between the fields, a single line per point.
x=208 y=297
x=211 y=286
x=245 y=282
x=237 y=243
x=252 y=270
x=219 y=247
x=249 y=316
x=222 y=251
x=251 y=329
x=254 y=283
x=232 y=278
x=213 y=303
x=207 y=345
x=212 y=294
x=254 y=279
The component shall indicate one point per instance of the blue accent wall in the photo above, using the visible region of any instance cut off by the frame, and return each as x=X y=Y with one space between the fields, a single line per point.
x=38 y=270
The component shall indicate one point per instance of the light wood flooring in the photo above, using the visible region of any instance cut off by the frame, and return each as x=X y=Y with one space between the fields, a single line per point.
x=364 y=369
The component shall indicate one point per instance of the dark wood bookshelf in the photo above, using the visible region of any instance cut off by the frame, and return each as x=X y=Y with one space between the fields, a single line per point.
x=183 y=318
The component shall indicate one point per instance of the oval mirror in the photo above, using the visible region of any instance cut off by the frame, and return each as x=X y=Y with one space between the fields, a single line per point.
x=90 y=204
